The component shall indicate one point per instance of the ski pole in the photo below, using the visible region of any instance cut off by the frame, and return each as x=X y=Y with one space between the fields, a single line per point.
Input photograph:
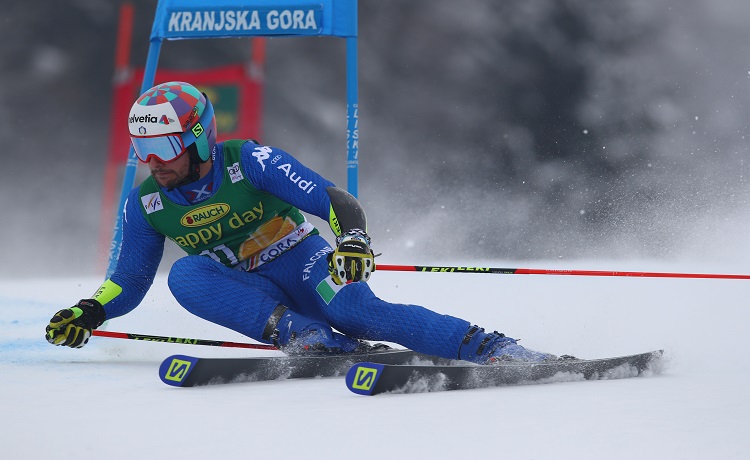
x=157 y=338
x=533 y=271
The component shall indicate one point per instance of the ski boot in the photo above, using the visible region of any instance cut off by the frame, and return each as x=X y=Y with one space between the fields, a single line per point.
x=296 y=335
x=490 y=348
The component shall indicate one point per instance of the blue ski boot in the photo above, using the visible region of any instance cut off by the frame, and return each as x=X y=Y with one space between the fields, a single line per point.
x=489 y=348
x=295 y=334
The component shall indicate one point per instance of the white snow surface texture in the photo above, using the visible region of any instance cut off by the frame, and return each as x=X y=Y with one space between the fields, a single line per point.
x=106 y=400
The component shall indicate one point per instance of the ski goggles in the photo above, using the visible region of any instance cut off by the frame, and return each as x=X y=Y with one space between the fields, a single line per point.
x=165 y=147
x=169 y=147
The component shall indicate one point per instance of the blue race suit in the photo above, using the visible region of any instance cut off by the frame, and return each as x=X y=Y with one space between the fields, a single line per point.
x=297 y=278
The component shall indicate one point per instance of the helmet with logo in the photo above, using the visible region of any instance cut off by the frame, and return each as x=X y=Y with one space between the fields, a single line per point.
x=171 y=119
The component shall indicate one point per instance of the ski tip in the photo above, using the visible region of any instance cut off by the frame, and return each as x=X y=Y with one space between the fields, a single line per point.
x=362 y=377
x=175 y=369
x=658 y=362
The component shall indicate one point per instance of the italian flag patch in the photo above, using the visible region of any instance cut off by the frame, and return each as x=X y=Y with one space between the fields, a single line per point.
x=328 y=289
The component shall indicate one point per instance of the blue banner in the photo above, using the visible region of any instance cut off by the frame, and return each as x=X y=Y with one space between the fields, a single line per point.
x=183 y=19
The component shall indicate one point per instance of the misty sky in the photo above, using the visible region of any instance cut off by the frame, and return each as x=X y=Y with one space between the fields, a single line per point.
x=506 y=130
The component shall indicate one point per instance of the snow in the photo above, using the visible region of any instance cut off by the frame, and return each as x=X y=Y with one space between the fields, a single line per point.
x=107 y=401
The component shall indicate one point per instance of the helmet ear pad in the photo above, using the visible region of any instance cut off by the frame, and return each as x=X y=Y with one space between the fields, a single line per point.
x=200 y=150
x=209 y=140
x=205 y=143
x=201 y=138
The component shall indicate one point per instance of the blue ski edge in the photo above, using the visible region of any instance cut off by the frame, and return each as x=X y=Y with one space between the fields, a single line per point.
x=362 y=377
x=175 y=369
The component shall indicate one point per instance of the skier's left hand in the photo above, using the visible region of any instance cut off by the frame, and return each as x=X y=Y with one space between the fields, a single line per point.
x=353 y=259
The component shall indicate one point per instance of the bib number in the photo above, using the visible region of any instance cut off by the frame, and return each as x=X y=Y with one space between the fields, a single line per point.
x=219 y=251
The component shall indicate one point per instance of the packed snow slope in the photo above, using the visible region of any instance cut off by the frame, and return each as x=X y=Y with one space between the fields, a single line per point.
x=106 y=400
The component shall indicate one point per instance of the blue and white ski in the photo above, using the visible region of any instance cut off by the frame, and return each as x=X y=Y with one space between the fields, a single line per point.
x=369 y=378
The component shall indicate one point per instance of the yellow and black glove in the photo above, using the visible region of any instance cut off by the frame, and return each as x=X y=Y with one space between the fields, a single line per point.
x=352 y=260
x=72 y=326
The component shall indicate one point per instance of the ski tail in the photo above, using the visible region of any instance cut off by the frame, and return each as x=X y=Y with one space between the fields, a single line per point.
x=176 y=369
x=362 y=378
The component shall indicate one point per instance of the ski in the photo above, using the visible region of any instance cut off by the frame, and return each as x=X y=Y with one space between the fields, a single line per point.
x=375 y=378
x=189 y=371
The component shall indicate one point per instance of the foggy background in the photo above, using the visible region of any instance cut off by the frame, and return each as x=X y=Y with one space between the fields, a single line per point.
x=517 y=130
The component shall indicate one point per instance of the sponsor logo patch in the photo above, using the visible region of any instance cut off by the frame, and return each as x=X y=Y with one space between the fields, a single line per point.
x=178 y=370
x=262 y=154
x=305 y=185
x=204 y=215
x=364 y=379
x=197 y=129
x=146 y=118
x=235 y=173
x=152 y=202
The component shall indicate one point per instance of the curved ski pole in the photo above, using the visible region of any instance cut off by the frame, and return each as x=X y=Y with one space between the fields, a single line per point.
x=157 y=338
x=533 y=271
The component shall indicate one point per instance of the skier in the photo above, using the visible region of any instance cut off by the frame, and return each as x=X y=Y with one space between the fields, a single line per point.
x=255 y=264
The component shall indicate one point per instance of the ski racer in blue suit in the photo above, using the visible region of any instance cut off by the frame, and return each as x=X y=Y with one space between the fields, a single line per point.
x=255 y=264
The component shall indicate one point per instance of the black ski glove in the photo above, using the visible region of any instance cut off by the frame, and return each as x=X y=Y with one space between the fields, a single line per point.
x=352 y=260
x=72 y=327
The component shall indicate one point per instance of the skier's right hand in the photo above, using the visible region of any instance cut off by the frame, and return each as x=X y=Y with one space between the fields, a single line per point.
x=72 y=326
x=352 y=260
